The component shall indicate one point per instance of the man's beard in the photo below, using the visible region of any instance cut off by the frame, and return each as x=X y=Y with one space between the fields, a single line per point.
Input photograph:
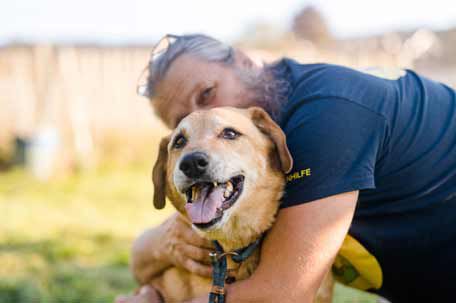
x=267 y=88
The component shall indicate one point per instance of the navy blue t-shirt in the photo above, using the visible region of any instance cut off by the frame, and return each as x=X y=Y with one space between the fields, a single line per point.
x=393 y=138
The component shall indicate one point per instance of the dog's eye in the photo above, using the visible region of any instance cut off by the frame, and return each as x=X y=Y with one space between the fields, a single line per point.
x=229 y=134
x=179 y=141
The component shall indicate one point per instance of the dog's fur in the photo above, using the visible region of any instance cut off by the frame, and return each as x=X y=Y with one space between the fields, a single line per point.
x=260 y=154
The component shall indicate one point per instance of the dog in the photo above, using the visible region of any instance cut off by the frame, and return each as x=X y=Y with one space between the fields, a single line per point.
x=224 y=171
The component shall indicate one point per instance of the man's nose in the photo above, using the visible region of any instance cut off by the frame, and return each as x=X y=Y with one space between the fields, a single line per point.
x=194 y=165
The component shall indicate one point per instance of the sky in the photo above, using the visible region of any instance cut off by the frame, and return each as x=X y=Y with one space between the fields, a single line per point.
x=143 y=21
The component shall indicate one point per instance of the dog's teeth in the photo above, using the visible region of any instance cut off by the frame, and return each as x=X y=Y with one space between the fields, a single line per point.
x=194 y=193
x=215 y=184
x=228 y=190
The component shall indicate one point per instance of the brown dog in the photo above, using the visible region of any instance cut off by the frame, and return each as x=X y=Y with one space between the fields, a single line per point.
x=223 y=169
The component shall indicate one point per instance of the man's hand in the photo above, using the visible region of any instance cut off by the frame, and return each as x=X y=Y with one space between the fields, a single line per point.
x=186 y=248
x=172 y=243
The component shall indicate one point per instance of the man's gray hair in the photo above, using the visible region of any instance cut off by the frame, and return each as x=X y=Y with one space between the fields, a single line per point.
x=198 y=45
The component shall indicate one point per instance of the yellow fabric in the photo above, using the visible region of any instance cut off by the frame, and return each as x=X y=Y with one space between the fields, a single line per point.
x=356 y=267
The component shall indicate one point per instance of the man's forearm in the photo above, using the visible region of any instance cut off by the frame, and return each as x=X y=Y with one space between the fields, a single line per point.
x=239 y=293
x=250 y=291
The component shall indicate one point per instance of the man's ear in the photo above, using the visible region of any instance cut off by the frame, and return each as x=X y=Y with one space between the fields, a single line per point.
x=266 y=125
x=159 y=174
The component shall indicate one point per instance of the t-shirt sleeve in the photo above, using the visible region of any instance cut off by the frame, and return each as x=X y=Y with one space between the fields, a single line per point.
x=334 y=143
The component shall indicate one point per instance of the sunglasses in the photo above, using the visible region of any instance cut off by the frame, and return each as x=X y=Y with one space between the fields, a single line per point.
x=158 y=50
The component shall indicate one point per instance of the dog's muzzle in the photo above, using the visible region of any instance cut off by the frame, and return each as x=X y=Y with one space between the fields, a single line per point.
x=208 y=195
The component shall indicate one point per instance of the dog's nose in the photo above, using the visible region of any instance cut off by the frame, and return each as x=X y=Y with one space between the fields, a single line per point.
x=194 y=165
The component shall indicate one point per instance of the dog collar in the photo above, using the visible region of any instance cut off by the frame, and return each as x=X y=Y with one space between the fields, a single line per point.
x=219 y=267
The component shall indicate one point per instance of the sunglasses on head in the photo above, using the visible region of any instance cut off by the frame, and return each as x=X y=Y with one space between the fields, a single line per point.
x=158 y=50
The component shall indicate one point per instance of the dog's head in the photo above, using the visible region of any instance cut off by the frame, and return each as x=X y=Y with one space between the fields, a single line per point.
x=224 y=168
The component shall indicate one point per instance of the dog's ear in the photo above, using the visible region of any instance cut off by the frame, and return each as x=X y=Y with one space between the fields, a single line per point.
x=265 y=124
x=159 y=174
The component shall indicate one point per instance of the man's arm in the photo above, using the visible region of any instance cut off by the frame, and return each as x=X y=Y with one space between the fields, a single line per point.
x=297 y=252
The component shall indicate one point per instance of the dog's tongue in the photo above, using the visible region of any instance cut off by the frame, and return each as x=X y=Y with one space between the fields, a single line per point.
x=204 y=208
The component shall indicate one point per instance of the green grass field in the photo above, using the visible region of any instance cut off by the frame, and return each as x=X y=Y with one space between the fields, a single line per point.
x=68 y=240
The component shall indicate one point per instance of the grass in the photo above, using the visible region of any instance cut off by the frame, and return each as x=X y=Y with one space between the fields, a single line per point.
x=68 y=240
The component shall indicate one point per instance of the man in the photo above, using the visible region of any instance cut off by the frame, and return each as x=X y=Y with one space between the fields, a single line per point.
x=374 y=158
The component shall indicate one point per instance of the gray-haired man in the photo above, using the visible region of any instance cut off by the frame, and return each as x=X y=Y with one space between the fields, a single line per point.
x=374 y=158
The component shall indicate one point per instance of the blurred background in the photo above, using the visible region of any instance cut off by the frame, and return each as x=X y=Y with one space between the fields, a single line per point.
x=77 y=145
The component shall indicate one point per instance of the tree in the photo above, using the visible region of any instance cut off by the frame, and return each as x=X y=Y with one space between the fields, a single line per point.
x=309 y=24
